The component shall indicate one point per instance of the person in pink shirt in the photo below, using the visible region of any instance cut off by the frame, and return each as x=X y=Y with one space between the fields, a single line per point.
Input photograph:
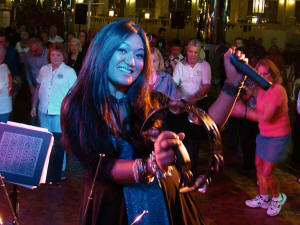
x=272 y=142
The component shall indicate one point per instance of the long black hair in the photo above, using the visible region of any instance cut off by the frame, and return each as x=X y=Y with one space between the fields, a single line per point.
x=87 y=111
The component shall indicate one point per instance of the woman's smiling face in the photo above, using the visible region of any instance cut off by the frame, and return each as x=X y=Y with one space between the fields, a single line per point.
x=126 y=64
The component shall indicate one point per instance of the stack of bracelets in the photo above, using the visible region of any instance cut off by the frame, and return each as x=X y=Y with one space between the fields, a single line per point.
x=141 y=172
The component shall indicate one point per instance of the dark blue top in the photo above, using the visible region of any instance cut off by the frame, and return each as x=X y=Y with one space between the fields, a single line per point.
x=140 y=197
x=12 y=60
x=33 y=64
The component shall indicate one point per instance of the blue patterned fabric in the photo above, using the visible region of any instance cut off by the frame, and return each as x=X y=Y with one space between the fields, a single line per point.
x=166 y=84
x=139 y=197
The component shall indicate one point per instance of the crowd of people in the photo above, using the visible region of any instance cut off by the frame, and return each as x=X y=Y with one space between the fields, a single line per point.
x=94 y=96
x=37 y=71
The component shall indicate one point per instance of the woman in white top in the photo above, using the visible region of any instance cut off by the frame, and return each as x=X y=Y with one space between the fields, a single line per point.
x=5 y=86
x=53 y=83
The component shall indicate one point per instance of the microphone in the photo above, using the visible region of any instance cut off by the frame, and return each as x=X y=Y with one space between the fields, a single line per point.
x=244 y=68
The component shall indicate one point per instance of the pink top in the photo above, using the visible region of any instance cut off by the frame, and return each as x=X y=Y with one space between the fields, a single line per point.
x=279 y=125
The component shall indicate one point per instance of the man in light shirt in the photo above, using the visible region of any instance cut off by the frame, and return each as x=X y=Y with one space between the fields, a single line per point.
x=34 y=60
x=193 y=75
x=53 y=37
x=193 y=78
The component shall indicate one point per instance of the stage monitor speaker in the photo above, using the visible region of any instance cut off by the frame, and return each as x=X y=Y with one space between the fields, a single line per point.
x=177 y=20
x=80 y=13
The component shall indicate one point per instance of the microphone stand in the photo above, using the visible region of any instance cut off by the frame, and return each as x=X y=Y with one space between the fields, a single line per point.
x=139 y=217
x=90 y=197
x=12 y=210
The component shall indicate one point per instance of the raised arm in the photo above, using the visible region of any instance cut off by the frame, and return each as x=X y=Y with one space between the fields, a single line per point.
x=220 y=110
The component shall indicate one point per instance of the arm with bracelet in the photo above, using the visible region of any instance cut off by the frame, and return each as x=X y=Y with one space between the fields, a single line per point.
x=220 y=110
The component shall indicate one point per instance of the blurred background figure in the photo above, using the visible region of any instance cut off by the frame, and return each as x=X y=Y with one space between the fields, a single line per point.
x=153 y=40
x=295 y=112
x=84 y=42
x=75 y=56
x=45 y=39
x=69 y=36
x=276 y=57
x=12 y=60
x=161 y=42
x=22 y=45
x=159 y=80
x=239 y=43
x=35 y=58
x=5 y=86
x=174 y=57
x=53 y=36
x=12 y=33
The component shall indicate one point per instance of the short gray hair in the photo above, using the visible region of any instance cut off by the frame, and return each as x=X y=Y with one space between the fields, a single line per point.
x=76 y=40
x=194 y=42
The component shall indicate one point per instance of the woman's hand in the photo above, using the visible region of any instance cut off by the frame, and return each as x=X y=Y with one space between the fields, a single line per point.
x=163 y=147
x=232 y=74
x=33 y=112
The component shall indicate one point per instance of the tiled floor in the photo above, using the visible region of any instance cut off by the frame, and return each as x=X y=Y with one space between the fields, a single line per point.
x=223 y=204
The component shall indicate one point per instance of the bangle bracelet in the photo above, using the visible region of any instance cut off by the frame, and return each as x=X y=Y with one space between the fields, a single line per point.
x=230 y=89
x=140 y=172
x=135 y=171
x=33 y=108
x=233 y=83
x=156 y=170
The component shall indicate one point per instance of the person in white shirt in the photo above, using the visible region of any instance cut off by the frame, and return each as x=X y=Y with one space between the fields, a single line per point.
x=5 y=86
x=22 y=46
x=192 y=75
x=53 y=83
x=53 y=37
x=193 y=78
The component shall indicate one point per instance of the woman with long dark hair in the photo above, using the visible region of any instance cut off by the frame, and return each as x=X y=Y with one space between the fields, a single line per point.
x=104 y=112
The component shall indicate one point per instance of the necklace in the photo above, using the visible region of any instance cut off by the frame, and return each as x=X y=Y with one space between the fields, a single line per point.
x=118 y=101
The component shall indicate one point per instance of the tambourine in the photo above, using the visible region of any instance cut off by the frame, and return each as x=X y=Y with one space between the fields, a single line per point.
x=196 y=116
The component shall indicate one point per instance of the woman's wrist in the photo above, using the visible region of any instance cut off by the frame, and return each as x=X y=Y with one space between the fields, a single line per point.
x=230 y=89
x=233 y=82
